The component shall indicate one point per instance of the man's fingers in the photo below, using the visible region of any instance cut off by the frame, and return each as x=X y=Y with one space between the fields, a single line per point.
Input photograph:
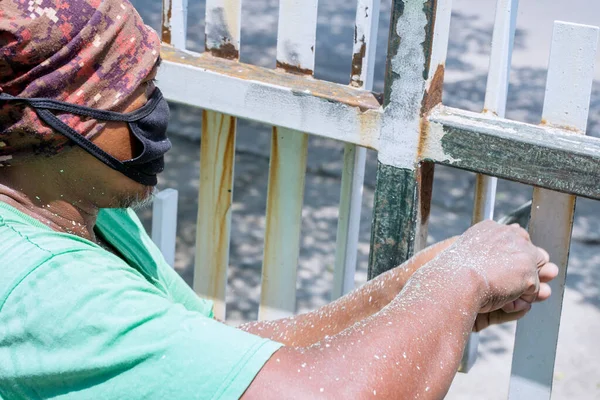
x=548 y=272
x=533 y=286
x=543 y=257
x=516 y=306
x=497 y=317
x=544 y=293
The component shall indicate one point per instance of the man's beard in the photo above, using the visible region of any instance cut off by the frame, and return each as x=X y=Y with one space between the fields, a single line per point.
x=137 y=201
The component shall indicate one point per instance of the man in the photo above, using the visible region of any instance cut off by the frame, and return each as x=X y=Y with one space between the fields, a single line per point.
x=90 y=310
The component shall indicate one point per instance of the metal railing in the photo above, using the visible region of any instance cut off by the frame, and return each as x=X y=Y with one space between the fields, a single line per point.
x=411 y=130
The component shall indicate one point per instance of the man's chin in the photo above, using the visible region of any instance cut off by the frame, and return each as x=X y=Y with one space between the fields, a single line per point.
x=139 y=200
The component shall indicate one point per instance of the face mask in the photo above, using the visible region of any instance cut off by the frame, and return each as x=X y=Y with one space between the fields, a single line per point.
x=148 y=124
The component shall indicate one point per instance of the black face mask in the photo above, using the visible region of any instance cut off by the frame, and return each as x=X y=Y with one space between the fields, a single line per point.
x=148 y=124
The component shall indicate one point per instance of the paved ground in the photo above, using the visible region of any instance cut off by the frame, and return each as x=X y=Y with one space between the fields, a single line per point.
x=578 y=364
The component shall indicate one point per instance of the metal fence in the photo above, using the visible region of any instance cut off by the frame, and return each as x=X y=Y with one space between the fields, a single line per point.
x=408 y=126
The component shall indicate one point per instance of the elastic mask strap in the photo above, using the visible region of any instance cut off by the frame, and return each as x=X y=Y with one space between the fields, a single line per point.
x=103 y=115
x=54 y=122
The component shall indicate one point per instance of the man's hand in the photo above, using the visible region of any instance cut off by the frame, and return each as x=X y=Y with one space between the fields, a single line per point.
x=412 y=346
x=490 y=250
x=517 y=309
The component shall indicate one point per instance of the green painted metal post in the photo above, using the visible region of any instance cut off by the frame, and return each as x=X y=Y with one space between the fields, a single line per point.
x=414 y=78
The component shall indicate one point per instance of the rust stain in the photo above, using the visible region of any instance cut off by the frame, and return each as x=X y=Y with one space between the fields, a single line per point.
x=357 y=63
x=479 y=199
x=568 y=229
x=297 y=83
x=294 y=69
x=486 y=111
x=423 y=137
x=569 y=222
x=568 y=128
x=272 y=217
x=425 y=175
x=366 y=133
x=217 y=170
x=226 y=192
x=166 y=24
x=227 y=51
x=431 y=98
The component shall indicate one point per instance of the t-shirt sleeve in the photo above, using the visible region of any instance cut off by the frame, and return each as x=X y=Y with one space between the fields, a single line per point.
x=81 y=327
x=182 y=292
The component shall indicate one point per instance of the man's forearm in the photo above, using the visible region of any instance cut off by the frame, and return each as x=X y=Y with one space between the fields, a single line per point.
x=390 y=353
x=306 y=329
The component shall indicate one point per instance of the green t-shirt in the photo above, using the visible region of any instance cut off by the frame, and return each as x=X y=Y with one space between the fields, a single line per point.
x=77 y=322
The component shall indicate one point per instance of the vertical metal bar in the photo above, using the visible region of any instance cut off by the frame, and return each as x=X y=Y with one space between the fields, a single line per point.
x=174 y=22
x=353 y=173
x=164 y=214
x=365 y=43
x=570 y=76
x=164 y=223
x=223 y=28
x=414 y=80
x=496 y=94
x=217 y=156
x=295 y=54
x=495 y=102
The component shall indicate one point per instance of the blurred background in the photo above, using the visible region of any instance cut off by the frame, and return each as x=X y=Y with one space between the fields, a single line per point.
x=577 y=373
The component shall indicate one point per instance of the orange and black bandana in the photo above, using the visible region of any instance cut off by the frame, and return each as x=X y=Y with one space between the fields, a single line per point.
x=94 y=53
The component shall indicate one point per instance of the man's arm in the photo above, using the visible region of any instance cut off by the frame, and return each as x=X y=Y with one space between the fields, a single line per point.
x=412 y=347
x=310 y=328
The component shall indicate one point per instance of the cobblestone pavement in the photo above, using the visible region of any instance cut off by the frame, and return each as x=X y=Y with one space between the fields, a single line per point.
x=578 y=361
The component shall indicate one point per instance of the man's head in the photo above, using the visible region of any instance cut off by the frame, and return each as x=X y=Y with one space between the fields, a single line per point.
x=97 y=54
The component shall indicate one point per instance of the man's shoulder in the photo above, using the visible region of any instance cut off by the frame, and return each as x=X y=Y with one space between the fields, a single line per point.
x=26 y=245
x=27 y=240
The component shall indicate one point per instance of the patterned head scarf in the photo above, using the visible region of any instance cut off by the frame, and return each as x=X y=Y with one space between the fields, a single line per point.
x=87 y=52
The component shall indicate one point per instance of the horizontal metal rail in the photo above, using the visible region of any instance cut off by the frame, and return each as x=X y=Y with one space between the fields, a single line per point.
x=273 y=97
x=540 y=155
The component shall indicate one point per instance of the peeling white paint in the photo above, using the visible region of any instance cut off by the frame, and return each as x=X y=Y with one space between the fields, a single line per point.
x=401 y=126
x=367 y=26
x=223 y=23
x=434 y=149
x=297 y=33
x=487 y=125
x=166 y=7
